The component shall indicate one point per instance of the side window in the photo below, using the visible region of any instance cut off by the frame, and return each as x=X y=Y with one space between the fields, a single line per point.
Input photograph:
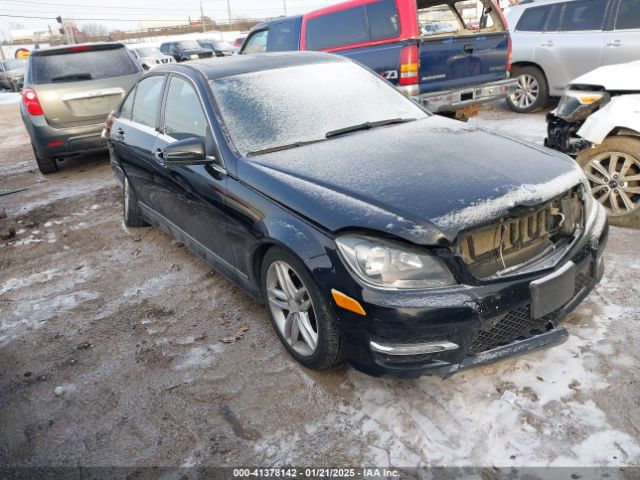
x=184 y=116
x=583 y=15
x=533 y=19
x=127 y=106
x=280 y=37
x=345 y=27
x=164 y=48
x=383 y=20
x=147 y=100
x=256 y=43
x=628 y=17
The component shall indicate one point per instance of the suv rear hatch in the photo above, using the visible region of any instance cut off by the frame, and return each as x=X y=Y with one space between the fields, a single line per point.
x=81 y=84
x=462 y=43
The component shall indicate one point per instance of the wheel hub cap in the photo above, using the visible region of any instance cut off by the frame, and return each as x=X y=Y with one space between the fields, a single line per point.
x=615 y=181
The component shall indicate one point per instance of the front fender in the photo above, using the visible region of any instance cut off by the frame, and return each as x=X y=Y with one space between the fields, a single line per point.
x=621 y=112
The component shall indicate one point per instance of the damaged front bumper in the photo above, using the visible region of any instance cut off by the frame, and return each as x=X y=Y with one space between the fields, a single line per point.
x=562 y=135
x=411 y=335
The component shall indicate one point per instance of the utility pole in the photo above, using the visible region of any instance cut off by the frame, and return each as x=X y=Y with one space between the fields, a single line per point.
x=284 y=3
x=202 y=16
x=229 y=12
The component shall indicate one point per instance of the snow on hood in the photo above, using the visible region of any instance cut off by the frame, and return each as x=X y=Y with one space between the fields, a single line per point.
x=623 y=76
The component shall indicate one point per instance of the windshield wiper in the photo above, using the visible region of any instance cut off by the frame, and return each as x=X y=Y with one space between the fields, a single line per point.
x=283 y=147
x=367 y=126
x=72 y=76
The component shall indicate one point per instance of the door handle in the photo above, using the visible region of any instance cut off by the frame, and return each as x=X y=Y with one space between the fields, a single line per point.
x=548 y=44
x=468 y=49
x=615 y=43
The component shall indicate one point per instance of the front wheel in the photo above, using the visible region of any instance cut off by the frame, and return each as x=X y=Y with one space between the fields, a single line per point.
x=613 y=170
x=532 y=92
x=302 y=317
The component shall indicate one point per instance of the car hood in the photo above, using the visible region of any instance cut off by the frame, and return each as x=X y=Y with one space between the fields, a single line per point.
x=620 y=77
x=423 y=181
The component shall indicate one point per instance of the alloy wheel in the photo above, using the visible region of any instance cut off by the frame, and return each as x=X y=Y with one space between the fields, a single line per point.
x=292 y=308
x=615 y=182
x=527 y=91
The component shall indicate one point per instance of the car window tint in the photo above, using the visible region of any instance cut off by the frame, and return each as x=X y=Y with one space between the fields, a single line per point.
x=147 y=100
x=533 y=19
x=184 y=116
x=280 y=37
x=256 y=43
x=383 y=20
x=127 y=106
x=345 y=27
x=628 y=15
x=272 y=108
x=582 y=16
x=89 y=65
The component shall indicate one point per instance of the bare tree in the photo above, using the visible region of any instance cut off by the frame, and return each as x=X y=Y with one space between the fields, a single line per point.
x=94 y=29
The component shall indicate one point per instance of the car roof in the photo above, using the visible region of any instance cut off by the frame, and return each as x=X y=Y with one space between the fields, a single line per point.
x=241 y=64
x=264 y=24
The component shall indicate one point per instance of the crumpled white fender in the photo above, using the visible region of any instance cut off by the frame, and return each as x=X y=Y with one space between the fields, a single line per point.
x=621 y=112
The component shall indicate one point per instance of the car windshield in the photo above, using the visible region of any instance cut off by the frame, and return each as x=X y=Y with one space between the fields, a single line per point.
x=274 y=108
x=147 y=51
x=13 y=64
x=223 y=45
x=188 y=45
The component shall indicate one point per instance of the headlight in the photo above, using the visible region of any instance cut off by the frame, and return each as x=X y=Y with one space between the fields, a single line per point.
x=193 y=57
x=577 y=105
x=385 y=264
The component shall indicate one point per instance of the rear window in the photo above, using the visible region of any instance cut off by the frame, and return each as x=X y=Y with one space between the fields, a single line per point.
x=533 y=19
x=373 y=21
x=79 y=66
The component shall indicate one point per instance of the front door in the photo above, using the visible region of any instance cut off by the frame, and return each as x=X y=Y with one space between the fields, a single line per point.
x=191 y=197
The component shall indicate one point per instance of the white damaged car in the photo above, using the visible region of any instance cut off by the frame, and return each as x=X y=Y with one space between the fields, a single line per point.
x=598 y=122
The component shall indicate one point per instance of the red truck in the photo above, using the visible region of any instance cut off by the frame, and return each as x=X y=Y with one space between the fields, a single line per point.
x=449 y=54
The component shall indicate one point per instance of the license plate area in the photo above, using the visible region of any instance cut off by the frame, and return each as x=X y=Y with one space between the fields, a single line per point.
x=552 y=292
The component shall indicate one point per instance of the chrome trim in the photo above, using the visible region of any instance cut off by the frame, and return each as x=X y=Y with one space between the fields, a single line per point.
x=413 y=349
x=93 y=93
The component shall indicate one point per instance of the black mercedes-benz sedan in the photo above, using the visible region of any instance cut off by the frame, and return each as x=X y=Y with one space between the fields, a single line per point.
x=375 y=232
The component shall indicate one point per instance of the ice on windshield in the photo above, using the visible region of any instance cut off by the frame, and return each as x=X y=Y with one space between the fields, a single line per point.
x=272 y=108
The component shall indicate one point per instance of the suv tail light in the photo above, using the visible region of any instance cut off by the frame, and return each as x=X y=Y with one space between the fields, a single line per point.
x=409 y=67
x=30 y=99
x=106 y=131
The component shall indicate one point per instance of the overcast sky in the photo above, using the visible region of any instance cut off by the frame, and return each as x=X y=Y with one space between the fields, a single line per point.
x=126 y=14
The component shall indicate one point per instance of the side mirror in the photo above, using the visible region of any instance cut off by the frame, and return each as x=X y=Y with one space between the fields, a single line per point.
x=189 y=151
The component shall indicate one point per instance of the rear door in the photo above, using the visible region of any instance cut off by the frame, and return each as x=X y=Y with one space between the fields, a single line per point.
x=133 y=135
x=81 y=85
x=462 y=43
x=573 y=43
x=622 y=43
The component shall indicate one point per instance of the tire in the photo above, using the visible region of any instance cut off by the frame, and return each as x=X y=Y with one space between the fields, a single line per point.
x=620 y=198
x=533 y=82
x=320 y=316
x=131 y=210
x=46 y=165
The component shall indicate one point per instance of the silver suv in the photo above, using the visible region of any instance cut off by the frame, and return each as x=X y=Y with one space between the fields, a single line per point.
x=68 y=93
x=556 y=41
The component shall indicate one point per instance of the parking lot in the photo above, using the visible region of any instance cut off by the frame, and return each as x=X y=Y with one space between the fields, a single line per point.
x=119 y=347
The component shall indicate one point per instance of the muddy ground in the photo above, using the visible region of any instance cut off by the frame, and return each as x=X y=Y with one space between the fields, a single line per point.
x=132 y=327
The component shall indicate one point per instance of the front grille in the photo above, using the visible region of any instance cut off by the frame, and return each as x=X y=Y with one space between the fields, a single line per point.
x=515 y=240
x=519 y=324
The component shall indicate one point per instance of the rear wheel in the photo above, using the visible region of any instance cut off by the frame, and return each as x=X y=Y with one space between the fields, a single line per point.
x=613 y=170
x=532 y=92
x=46 y=165
x=132 y=213
x=301 y=316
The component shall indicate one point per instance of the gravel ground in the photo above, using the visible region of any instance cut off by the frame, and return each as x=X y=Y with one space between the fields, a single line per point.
x=111 y=354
